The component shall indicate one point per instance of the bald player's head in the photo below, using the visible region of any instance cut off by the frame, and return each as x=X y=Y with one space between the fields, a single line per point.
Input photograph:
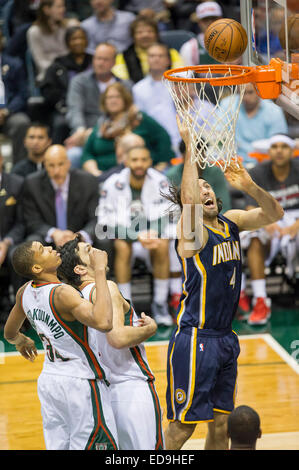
x=125 y=143
x=57 y=164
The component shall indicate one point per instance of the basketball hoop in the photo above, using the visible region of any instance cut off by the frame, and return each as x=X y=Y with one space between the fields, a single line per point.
x=212 y=127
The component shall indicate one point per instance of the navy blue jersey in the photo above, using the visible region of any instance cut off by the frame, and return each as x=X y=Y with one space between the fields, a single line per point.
x=212 y=281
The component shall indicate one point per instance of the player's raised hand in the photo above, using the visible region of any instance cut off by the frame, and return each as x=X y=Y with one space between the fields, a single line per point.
x=237 y=176
x=98 y=259
x=145 y=320
x=183 y=130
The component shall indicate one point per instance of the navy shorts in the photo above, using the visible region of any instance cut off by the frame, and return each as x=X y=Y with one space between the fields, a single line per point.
x=201 y=374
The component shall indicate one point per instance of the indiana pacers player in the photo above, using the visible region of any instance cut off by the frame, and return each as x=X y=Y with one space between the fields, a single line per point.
x=203 y=350
x=72 y=387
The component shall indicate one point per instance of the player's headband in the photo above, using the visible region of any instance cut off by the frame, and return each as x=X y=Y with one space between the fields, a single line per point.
x=281 y=138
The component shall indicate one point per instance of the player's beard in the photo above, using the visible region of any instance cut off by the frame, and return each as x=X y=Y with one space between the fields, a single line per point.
x=138 y=176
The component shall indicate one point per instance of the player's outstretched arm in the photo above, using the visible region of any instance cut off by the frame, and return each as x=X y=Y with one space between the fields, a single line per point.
x=190 y=231
x=23 y=344
x=269 y=210
x=121 y=335
x=189 y=184
x=72 y=306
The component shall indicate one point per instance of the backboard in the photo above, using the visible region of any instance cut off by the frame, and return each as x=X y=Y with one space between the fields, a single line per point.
x=263 y=21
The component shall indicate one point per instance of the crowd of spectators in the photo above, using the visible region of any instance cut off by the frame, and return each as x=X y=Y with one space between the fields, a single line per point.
x=101 y=131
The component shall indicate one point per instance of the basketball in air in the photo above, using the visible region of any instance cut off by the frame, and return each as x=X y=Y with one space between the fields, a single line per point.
x=225 y=40
x=293 y=33
x=293 y=5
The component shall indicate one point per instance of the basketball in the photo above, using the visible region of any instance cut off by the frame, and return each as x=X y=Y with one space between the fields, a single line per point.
x=293 y=6
x=225 y=40
x=293 y=33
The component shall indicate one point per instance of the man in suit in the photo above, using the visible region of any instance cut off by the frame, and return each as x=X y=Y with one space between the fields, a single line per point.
x=12 y=232
x=83 y=98
x=59 y=202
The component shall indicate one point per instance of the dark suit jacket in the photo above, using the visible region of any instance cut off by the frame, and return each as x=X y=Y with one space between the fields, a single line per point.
x=38 y=201
x=15 y=84
x=11 y=225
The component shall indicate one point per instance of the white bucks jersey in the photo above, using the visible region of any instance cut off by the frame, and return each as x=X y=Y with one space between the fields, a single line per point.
x=66 y=343
x=123 y=363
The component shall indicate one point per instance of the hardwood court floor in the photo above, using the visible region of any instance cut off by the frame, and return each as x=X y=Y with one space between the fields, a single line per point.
x=268 y=381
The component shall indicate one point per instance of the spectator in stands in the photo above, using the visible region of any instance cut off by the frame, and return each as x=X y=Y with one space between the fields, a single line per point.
x=58 y=77
x=59 y=201
x=243 y=428
x=121 y=116
x=276 y=20
x=133 y=63
x=122 y=145
x=23 y=12
x=36 y=142
x=13 y=118
x=213 y=175
x=46 y=35
x=83 y=97
x=280 y=176
x=193 y=52
x=22 y=15
x=182 y=12
x=151 y=95
x=132 y=211
x=154 y=9
x=108 y=25
x=12 y=232
x=258 y=119
x=80 y=9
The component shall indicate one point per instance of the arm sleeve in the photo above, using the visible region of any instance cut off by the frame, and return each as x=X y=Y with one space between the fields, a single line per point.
x=88 y=149
x=35 y=43
x=75 y=104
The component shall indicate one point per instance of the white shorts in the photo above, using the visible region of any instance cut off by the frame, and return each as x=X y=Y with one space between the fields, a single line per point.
x=77 y=413
x=138 y=415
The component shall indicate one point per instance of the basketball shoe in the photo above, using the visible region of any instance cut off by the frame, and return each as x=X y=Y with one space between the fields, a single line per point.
x=161 y=314
x=261 y=311
x=175 y=301
x=244 y=306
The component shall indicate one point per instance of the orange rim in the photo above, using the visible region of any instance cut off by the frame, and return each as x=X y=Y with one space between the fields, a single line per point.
x=267 y=79
x=239 y=74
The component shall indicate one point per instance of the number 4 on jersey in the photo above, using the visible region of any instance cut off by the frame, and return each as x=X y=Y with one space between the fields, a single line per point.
x=233 y=279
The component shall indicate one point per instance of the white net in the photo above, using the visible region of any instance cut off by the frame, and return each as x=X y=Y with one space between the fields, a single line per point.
x=210 y=113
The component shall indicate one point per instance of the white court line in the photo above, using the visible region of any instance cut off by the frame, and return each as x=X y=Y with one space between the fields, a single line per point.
x=281 y=352
x=266 y=336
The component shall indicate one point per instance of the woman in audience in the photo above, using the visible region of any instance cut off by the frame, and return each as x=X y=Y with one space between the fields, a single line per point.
x=132 y=63
x=46 y=36
x=58 y=76
x=120 y=117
